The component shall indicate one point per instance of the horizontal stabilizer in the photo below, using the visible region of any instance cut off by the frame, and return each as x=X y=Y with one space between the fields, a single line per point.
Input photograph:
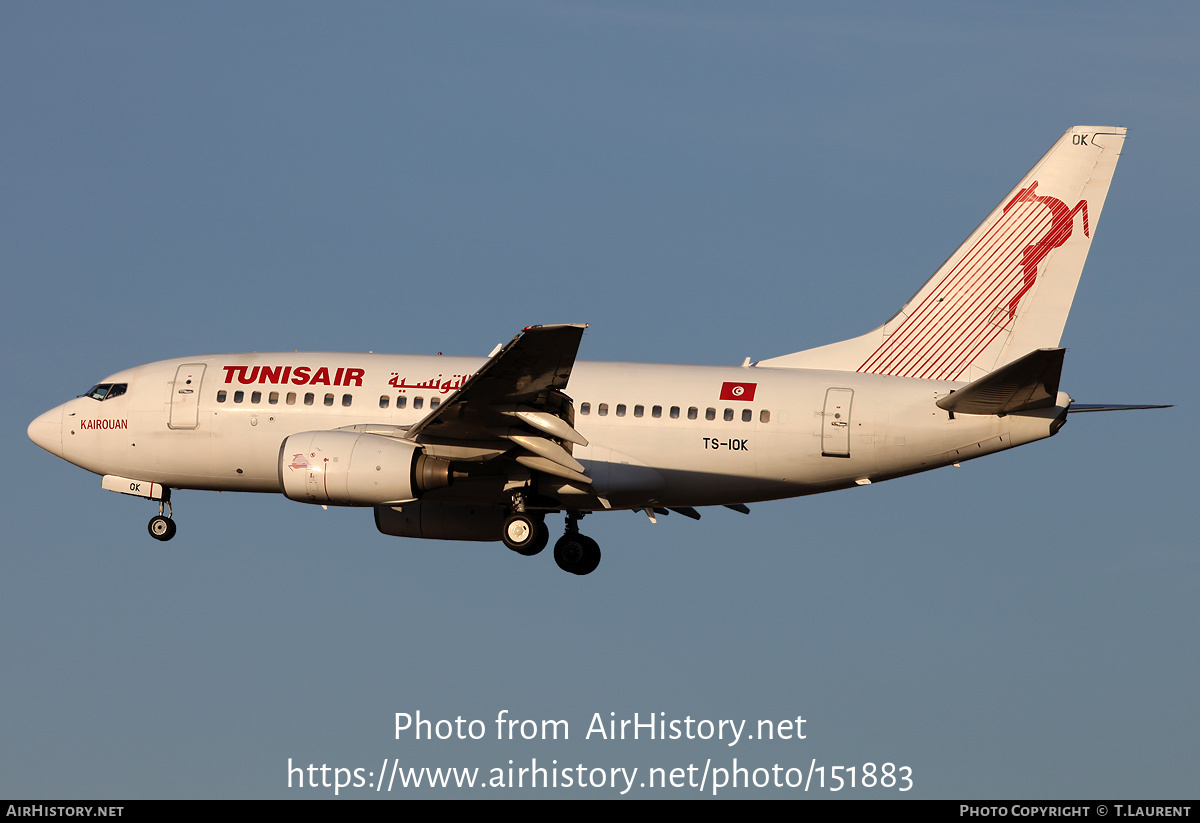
x=1090 y=407
x=1029 y=382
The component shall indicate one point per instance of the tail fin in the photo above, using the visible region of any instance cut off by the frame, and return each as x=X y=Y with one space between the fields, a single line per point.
x=1008 y=289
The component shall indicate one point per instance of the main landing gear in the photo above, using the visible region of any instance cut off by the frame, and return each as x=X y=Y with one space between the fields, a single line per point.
x=525 y=533
x=574 y=552
x=162 y=527
x=528 y=534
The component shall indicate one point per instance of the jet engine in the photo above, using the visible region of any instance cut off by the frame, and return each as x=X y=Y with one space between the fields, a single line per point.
x=343 y=468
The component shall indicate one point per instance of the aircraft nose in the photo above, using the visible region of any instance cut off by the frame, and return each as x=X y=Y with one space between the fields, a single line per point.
x=46 y=431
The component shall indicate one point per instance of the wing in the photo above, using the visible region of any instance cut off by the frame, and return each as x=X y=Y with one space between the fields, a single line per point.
x=514 y=406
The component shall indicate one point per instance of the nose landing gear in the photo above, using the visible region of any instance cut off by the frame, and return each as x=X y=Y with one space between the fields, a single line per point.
x=162 y=527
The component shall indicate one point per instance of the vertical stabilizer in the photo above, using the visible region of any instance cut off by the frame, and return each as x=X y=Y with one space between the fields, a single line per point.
x=1008 y=288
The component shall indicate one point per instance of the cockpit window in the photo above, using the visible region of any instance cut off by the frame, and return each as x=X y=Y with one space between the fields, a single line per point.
x=106 y=391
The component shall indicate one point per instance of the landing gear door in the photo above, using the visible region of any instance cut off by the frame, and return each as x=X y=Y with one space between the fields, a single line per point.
x=835 y=423
x=185 y=397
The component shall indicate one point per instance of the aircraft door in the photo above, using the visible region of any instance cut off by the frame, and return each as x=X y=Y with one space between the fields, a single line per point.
x=185 y=397
x=835 y=423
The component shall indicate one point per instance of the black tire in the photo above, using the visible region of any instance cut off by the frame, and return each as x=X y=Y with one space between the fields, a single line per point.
x=161 y=528
x=525 y=534
x=543 y=538
x=577 y=554
x=591 y=556
x=568 y=552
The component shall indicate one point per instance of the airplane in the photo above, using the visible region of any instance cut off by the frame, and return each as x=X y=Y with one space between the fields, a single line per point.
x=462 y=448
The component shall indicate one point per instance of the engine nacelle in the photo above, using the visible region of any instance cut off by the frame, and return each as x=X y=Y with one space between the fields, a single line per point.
x=343 y=468
x=441 y=521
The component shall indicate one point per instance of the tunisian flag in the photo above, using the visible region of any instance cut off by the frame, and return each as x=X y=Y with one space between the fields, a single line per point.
x=738 y=391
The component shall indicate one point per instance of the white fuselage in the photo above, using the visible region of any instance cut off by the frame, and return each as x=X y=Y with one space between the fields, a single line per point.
x=651 y=439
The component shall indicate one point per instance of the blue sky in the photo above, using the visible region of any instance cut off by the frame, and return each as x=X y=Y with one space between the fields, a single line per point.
x=700 y=183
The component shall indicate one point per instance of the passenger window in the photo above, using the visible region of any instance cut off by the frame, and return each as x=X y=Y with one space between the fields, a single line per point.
x=418 y=402
x=256 y=397
x=764 y=416
x=620 y=410
x=710 y=414
x=728 y=415
x=674 y=412
x=691 y=412
x=329 y=400
x=384 y=401
x=309 y=397
x=291 y=398
x=238 y=396
x=347 y=399
x=747 y=415
x=638 y=411
x=435 y=402
x=656 y=411
x=221 y=395
x=273 y=398
x=401 y=402
x=603 y=410
x=585 y=408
